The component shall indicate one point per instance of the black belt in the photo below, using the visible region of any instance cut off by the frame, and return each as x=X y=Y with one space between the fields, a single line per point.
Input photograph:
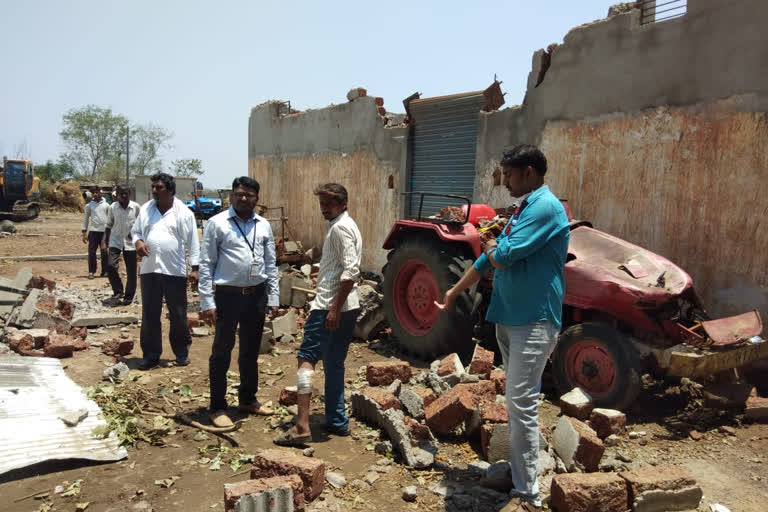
x=239 y=290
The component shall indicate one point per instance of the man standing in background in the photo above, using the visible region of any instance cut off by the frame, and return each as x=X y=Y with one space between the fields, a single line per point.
x=96 y=213
x=238 y=258
x=164 y=233
x=121 y=216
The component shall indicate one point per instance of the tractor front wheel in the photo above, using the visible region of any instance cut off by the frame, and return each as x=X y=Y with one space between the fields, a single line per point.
x=601 y=361
x=418 y=273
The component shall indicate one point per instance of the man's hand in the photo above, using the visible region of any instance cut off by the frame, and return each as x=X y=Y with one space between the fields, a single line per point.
x=448 y=300
x=273 y=311
x=142 y=251
x=208 y=317
x=85 y=237
x=103 y=244
x=332 y=320
x=192 y=279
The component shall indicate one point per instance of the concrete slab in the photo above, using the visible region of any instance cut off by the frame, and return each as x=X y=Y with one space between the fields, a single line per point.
x=99 y=319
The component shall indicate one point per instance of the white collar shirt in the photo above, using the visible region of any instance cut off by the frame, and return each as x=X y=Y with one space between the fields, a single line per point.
x=119 y=222
x=170 y=237
x=96 y=212
x=342 y=250
x=237 y=253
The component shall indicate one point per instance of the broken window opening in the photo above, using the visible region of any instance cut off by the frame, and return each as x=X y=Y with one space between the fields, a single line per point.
x=654 y=11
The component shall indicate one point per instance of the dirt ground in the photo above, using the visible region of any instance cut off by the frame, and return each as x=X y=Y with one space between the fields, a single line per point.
x=732 y=470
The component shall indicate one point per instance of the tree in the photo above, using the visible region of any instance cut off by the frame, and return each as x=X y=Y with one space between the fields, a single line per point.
x=58 y=171
x=147 y=141
x=187 y=167
x=93 y=136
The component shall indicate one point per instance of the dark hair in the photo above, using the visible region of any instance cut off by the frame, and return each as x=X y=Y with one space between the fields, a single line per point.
x=524 y=155
x=336 y=191
x=167 y=180
x=122 y=188
x=95 y=188
x=245 y=181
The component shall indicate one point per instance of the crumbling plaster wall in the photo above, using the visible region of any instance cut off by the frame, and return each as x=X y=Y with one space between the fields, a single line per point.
x=291 y=154
x=658 y=134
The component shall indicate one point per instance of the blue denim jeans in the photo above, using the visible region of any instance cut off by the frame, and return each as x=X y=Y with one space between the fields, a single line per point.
x=330 y=346
x=525 y=350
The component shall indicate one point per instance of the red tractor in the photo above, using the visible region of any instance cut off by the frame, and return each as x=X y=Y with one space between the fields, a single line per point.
x=627 y=311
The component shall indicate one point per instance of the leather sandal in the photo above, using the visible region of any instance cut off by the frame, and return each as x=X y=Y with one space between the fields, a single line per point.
x=289 y=438
x=220 y=419
x=255 y=408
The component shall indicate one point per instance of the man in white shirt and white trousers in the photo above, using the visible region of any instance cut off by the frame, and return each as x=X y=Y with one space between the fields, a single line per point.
x=94 y=223
x=164 y=233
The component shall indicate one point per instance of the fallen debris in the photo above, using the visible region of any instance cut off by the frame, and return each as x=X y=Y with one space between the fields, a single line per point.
x=576 y=404
x=384 y=373
x=280 y=462
x=265 y=494
x=586 y=492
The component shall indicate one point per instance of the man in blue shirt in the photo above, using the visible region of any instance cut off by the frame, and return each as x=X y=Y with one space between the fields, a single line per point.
x=238 y=281
x=526 y=305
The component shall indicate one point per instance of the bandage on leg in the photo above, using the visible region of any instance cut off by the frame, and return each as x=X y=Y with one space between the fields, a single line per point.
x=304 y=381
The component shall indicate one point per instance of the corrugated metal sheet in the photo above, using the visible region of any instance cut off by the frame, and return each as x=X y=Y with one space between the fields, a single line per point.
x=443 y=145
x=34 y=392
x=274 y=500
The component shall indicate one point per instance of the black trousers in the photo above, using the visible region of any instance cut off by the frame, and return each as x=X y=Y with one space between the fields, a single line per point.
x=153 y=288
x=114 y=276
x=231 y=310
x=94 y=240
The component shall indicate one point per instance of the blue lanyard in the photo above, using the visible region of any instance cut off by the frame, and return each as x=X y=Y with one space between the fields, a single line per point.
x=251 y=246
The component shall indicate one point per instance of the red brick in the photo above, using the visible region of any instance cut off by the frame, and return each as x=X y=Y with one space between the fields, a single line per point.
x=385 y=399
x=756 y=408
x=657 y=479
x=59 y=346
x=40 y=336
x=384 y=373
x=288 y=395
x=499 y=380
x=483 y=391
x=379 y=103
x=233 y=492
x=427 y=395
x=41 y=283
x=46 y=303
x=576 y=404
x=193 y=320
x=482 y=361
x=572 y=434
x=22 y=343
x=280 y=462
x=494 y=413
x=448 y=411
x=78 y=332
x=117 y=347
x=486 y=431
x=589 y=492
x=607 y=421
x=381 y=110
x=450 y=364
x=418 y=431
x=65 y=308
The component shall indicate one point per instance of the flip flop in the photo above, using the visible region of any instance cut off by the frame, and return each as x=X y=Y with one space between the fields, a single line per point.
x=288 y=439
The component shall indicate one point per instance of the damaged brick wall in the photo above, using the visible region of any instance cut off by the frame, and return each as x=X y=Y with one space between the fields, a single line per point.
x=349 y=144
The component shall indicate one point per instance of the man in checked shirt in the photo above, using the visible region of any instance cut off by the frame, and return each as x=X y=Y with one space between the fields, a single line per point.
x=331 y=320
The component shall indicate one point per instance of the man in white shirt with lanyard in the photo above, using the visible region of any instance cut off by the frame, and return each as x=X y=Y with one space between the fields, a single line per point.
x=120 y=218
x=238 y=281
x=93 y=235
x=164 y=233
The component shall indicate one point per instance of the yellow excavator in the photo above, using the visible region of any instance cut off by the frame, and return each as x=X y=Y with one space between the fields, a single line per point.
x=19 y=190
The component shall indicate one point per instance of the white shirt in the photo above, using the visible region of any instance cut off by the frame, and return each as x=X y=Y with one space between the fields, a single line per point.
x=169 y=237
x=231 y=247
x=97 y=213
x=119 y=222
x=342 y=249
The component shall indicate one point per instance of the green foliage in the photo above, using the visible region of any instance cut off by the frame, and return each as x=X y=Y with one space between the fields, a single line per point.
x=93 y=137
x=186 y=167
x=147 y=142
x=50 y=172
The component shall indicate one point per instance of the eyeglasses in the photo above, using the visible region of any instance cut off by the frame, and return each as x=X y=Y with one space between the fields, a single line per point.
x=243 y=195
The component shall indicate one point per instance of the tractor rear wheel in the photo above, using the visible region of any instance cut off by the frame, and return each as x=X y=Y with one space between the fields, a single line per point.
x=418 y=273
x=601 y=361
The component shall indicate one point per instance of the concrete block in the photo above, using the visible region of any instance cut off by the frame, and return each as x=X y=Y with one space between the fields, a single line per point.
x=607 y=422
x=59 y=346
x=282 y=462
x=499 y=476
x=499 y=380
x=336 y=480
x=395 y=387
x=482 y=361
x=410 y=493
x=267 y=342
x=72 y=417
x=576 y=404
x=371 y=318
x=588 y=492
x=384 y=399
x=280 y=493
x=117 y=347
x=200 y=332
x=577 y=444
x=291 y=297
x=447 y=412
x=285 y=324
x=383 y=373
x=288 y=396
x=661 y=488
x=437 y=383
x=413 y=400
x=21 y=281
x=449 y=368
x=99 y=319
x=494 y=441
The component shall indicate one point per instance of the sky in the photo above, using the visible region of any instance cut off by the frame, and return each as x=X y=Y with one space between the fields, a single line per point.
x=197 y=68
